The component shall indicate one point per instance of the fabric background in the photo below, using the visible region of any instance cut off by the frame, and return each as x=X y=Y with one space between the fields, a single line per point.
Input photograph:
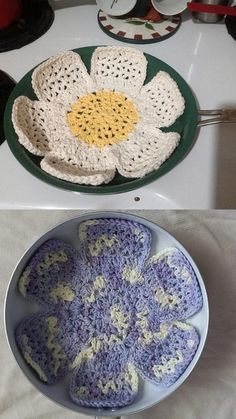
x=209 y=392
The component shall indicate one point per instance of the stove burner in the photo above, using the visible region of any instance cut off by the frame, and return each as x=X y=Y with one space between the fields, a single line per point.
x=36 y=18
x=7 y=84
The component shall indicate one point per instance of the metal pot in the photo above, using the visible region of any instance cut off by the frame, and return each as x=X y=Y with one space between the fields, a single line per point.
x=16 y=308
x=210 y=17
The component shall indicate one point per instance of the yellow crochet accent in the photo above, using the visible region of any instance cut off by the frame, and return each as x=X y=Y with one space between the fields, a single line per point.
x=55 y=348
x=62 y=292
x=98 y=285
x=110 y=385
x=102 y=242
x=24 y=281
x=92 y=347
x=131 y=275
x=26 y=352
x=165 y=299
x=168 y=367
x=50 y=259
x=131 y=377
x=119 y=318
x=82 y=391
x=102 y=118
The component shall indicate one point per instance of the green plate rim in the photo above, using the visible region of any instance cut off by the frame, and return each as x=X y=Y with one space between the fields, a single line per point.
x=186 y=122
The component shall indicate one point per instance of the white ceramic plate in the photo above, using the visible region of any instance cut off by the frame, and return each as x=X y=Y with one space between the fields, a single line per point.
x=17 y=307
x=116 y=7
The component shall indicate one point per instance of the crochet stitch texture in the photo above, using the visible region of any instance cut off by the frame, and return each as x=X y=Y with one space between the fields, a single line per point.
x=88 y=126
x=111 y=313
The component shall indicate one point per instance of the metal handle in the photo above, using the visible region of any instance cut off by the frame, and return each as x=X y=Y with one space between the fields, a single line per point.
x=221 y=116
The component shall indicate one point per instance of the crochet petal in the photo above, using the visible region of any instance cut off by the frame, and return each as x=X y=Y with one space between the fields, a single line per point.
x=68 y=171
x=51 y=275
x=37 y=124
x=62 y=78
x=106 y=303
x=144 y=151
x=40 y=340
x=173 y=285
x=120 y=68
x=160 y=101
x=106 y=380
x=164 y=355
x=115 y=240
x=73 y=160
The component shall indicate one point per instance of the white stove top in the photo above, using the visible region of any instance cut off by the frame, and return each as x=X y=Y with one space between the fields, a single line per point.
x=204 y=55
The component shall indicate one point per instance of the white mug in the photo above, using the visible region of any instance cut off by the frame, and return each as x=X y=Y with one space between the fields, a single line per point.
x=169 y=7
x=116 y=7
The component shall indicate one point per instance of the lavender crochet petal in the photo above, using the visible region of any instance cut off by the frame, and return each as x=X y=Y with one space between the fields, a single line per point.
x=104 y=310
x=51 y=274
x=109 y=301
x=107 y=380
x=114 y=239
x=38 y=338
x=164 y=356
x=173 y=285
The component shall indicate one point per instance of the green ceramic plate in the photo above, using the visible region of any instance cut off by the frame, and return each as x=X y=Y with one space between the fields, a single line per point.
x=185 y=125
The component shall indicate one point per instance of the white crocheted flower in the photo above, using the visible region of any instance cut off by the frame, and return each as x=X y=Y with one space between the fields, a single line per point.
x=88 y=126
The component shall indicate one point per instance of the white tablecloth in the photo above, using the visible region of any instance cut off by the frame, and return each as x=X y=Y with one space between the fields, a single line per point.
x=209 y=392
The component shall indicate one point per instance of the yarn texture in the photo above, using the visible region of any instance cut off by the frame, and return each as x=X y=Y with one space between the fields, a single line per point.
x=86 y=127
x=111 y=313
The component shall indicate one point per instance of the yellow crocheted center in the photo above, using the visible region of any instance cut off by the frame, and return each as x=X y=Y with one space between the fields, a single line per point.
x=102 y=118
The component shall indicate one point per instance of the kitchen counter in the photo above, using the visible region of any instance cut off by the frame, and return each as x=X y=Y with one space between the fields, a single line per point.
x=204 y=55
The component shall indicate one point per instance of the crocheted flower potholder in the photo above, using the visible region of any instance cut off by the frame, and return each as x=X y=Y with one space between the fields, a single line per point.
x=111 y=313
x=88 y=126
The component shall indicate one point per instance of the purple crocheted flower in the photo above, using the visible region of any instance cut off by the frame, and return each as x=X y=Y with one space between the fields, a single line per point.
x=111 y=313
